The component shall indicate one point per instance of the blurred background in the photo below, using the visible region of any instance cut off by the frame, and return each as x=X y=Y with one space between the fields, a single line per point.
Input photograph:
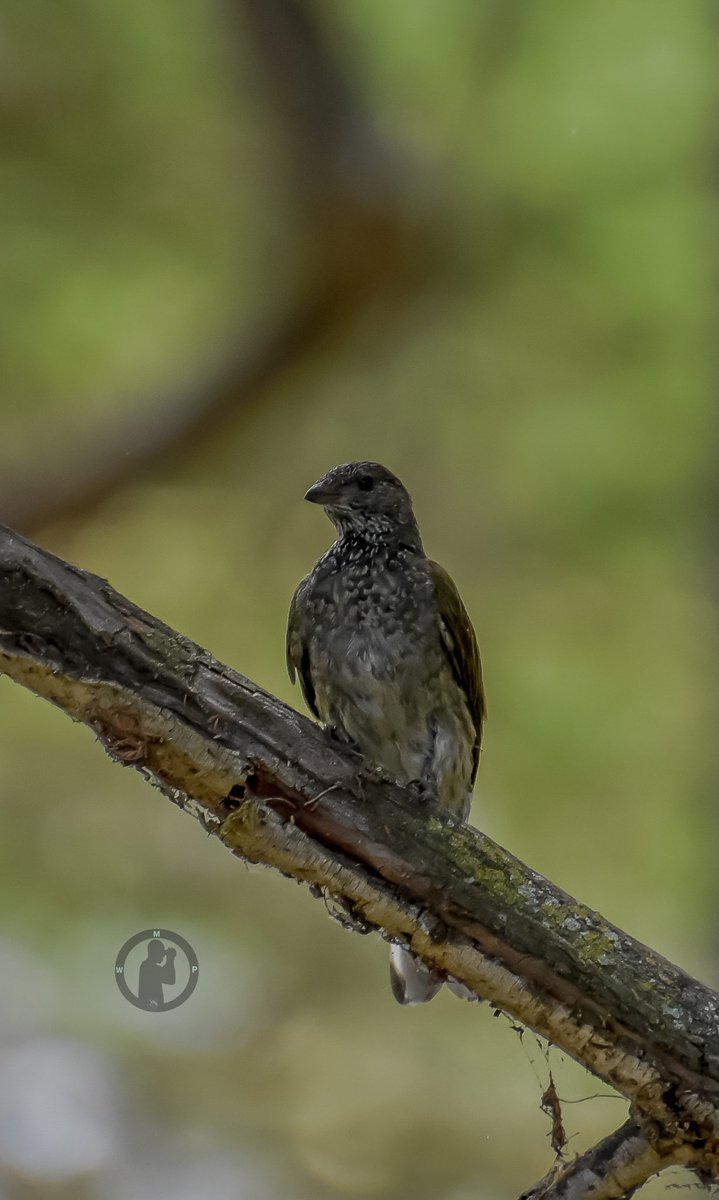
x=245 y=241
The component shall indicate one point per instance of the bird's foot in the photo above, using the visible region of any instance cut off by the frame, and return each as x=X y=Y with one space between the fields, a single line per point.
x=340 y=739
x=423 y=793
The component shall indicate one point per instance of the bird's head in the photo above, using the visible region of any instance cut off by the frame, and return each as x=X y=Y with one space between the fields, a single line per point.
x=367 y=499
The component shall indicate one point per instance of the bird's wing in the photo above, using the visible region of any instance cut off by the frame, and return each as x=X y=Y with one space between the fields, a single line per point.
x=460 y=644
x=298 y=656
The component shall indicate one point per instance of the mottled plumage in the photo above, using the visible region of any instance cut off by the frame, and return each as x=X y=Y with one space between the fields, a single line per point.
x=387 y=656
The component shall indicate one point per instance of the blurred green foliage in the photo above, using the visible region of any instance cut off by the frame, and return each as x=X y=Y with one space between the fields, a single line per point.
x=547 y=400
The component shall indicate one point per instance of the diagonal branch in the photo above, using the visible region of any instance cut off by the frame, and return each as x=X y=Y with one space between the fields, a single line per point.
x=615 y=1167
x=273 y=789
x=170 y=424
x=354 y=209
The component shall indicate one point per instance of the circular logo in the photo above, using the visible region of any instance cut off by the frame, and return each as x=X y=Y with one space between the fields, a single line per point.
x=154 y=975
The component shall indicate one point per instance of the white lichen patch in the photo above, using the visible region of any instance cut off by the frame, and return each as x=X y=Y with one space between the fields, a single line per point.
x=197 y=809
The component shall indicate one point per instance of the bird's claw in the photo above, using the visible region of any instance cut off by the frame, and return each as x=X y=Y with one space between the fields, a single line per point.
x=339 y=739
x=423 y=793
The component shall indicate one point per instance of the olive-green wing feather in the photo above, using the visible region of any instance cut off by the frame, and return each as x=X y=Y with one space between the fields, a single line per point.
x=298 y=657
x=460 y=644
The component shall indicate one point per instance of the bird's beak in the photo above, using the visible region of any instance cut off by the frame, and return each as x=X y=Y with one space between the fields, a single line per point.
x=321 y=493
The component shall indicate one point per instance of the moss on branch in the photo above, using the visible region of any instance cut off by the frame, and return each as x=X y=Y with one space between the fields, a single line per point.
x=275 y=790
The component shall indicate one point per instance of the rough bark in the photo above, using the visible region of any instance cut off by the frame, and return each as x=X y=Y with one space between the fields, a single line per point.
x=615 y=1167
x=276 y=790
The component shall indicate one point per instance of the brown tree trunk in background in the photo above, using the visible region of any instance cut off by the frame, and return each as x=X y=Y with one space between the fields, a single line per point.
x=355 y=208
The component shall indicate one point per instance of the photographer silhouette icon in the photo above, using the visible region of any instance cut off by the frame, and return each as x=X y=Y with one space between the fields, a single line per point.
x=158 y=968
x=160 y=973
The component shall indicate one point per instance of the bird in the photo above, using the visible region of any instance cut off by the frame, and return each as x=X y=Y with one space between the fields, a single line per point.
x=387 y=657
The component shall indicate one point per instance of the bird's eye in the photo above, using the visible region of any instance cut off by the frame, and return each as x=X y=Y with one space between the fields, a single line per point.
x=365 y=483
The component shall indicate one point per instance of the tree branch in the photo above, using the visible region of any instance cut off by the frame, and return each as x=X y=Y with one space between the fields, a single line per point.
x=355 y=208
x=167 y=425
x=616 y=1166
x=269 y=784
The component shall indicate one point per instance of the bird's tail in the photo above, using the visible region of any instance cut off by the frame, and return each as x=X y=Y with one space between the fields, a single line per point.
x=412 y=982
